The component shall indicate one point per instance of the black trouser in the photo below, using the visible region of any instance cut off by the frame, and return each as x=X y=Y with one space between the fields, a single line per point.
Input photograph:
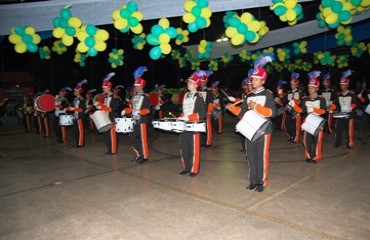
x=138 y=139
x=78 y=133
x=345 y=124
x=57 y=129
x=190 y=151
x=258 y=158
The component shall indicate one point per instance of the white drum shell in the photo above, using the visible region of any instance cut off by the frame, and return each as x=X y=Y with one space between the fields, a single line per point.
x=163 y=125
x=124 y=125
x=65 y=120
x=195 y=127
x=367 y=109
x=101 y=120
x=252 y=125
x=313 y=124
x=178 y=126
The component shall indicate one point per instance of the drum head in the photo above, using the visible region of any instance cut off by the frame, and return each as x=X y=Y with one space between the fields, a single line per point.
x=46 y=102
x=261 y=131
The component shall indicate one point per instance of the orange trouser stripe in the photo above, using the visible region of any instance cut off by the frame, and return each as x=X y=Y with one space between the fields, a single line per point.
x=144 y=140
x=47 y=128
x=113 y=136
x=209 y=131
x=81 y=135
x=319 y=146
x=266 y=159
x=64 y=133
x=351 y=133
x=196 y=155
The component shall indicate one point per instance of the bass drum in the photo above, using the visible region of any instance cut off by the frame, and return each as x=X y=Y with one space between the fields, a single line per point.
x=45 y=103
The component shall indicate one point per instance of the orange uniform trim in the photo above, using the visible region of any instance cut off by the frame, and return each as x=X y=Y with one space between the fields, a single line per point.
x=113 y=137
x=319 y=146
x=128 y=110
x=144 y=111
x=64 y=133
x=298 y=128
x=210 y=108
x=351 y=132
x=193 y=117
x=319 y=111
x=297 y=108
x=332 y=107
x=144 y=140
x=266 y=159
x=234 y=110
x=264 y=111
x=81 y=133
x=196 y=153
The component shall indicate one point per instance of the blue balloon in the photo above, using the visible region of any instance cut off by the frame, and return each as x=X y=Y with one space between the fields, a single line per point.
x=172 y=32
x=192 y=27
x=132 y=6
x=157 y=30
x=91 y=29
x=89 y=42
x=155 y=53
x=92 y=52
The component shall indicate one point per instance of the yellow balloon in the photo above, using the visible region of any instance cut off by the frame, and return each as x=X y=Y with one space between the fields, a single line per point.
x=164 y=23
x=348 y=38
x=120 y=51
x=100 y=46
x=208 y=22
x=189 y=5
x=291 y=15
x=116 y=15
x=230 y=32
x=320 y=55
x=304 y=50
x=120 y=23
x=283 y=18
x=74 y=22
x=67 y=40
x=20 y=47
x=237 y=39
x=138 y=29
x=58 y=32
x=206 y=12
x=201 y=50
x=138 y=15
x=164 y=38
x=140 y=46
x=165 y=48
x=256 y=39
x=82 y=35
x=254 y=26
x=36 y=39
x=13 y=38
x=290 y=3
x=346 y=6
x=29 y=30
x=246 y=17
x=347 y=22
x=292 y=23
x=102 y=35
x=332 y=18
x=81 y=47
x=326 y=11
x=188 y=18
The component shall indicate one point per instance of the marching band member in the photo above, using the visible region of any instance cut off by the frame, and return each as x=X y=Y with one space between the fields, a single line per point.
x=217 y=108
x=45 y=120
x=161 y=100
x=329 y=94
x=345 y=102
x=117 y=92
x=140 y=112
x=109 y=105
x=279 y=96
x=61 y=103
x=315 y=104
x=90 y=108
x=292 y=119
x=78 y=108
x=364 y=97
x=262 y=101
x=27 y=110
x=193 y=110
x=207 y=96
x=37 y=119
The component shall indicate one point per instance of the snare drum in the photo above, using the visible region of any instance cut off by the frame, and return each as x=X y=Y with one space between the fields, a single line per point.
x=195 y=127
x=162 y=124
x=340 y=115
x=313 y=124
x=178 y=126
x=124 y=125
x=252 y=125
x=65 y=120
x=101 y=120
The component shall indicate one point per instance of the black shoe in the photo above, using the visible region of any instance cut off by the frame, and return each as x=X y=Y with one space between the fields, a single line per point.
x=135 y=159
x=349 y=147
x=192 y=174
x=251 y=186
x=108 y=153
x=308 y=160
x=289 y=139
x=141 y=160
x=337 y=145
x=259 y=188
x=183 y=172
x=315 y=161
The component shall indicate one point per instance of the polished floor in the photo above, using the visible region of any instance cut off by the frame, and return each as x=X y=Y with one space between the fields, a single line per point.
x=54 y=191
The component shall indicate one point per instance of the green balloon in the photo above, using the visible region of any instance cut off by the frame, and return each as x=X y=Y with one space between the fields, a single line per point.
x=155 y=53
x=196 y=11
x=172 y=32
x=71 y=31
x=63 y=23
x=152 y=40
x=202 y=3
x=89 y=42
x=56 y=22
x=132 y=6
x=27 y=38
x=327 y=3
x=157 y=30
x=250 y=36
x=242 y=28
x=356 y=2
x=125 y=13
x=280 y=10
x=133 y=22
x=91 y=29
x=65 y=13
x=344 y=16
x=201 y=22
x=32 y=47
x=92 y=52
x=234 y=22
x=337 y=7
x=192 y=27
x=19 y=30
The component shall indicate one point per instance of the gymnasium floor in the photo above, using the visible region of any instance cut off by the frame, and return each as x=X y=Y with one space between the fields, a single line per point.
x=54 y=191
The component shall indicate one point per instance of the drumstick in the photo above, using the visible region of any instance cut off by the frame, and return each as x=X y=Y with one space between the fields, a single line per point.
x=230 y=98
x=224 y=93
x=170 y=113
x=236 y=103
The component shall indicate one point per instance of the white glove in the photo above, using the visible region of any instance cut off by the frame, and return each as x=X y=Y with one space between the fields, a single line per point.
x=98 y=107
x=158 y=107
x=280 y=91
x=95 y=103
x=184 y=118
x=359 y=95
x=291 y=103
x=123 y=112
x=72 y=108
x=136 y=115
x=277 y=99
x=231 y=99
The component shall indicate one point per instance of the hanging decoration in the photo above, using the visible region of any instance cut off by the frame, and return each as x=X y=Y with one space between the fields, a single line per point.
x=245 y=55
x=66 y=27
x=288 y=11
x=283 y=54
x=226 y=59
x=116 y=57
x=342 y=61
x=139 y=41
x=128 y=18
x=268 y=50
x=226 y=18
x=160 y=36
x=213 y=65
x=182 y=36
x=358 y=49
x=197 y=15
x=300 y=47
x=245 y=29
x=182 y=62
x=25 y=39
x=80 y=58
x=344 y=36
x=92 y=40
x=59 y=47
x=326 y=59
x=204 y=49
x=195 y=64
x=44 y=52
x=334 y=12
x=256 y=55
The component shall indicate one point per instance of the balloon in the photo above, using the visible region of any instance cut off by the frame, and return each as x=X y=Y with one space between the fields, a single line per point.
x=250 y=36
x=36 y=39
x=63 y=23
x=230 y=32
x=29 y=30
x=290 y=3
x=90 y=42
x=157 y=30
x=58 y=32
x=65 y=13
x=138 y=29
x=74 y=22
x=92 y=52
x=290 y=15
x=132 y=6
x=27 y=38
x=20 y=47
x=242 y=28
x=133 y=22
x=189 y=5
x=327 y=3
x=332 y=18
x=116 y=15
x=56 y=22
x=67 y=40
x=337 y=7
x=138 y=15
x=81 y=47
x=13 y=38
x=348 y=38
x=254 y=26
x=164 y=23
x=188 y=18
x=206 y=12
x=100 y=46
x=120 y=23
x=344 y=16
x=152 y=40
x=280 y=10
x=201 y=22
x=164 y=38
x=124 y=13
x=202 y=3
x=70 y=31
x=192 y=27
x=234 y=21
x=172 y=32
x=32 y=47
x=82 y=35
x=208 y=22
x=246 y=17
x=196 y=11
x=102 y=35
x=238 y=39
x=155 y=53
x=165 y=48
x=19 y=30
